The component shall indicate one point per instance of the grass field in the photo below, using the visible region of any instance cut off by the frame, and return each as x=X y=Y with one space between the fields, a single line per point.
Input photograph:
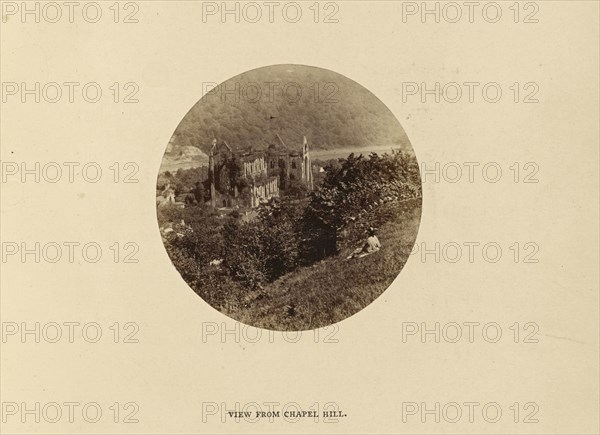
x=336 y=288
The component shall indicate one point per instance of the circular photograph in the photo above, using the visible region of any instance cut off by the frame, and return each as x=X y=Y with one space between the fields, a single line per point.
x=289 y=197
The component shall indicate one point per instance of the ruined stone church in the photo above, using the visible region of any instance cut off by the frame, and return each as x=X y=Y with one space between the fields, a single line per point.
x=246 y=177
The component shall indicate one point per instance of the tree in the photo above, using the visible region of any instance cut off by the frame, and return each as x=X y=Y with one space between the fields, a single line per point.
x=262 y=250
x=296 y=189
x=199 y=192
x=353 y=188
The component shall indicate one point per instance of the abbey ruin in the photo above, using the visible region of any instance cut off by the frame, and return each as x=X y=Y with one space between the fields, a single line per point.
x=246 y=177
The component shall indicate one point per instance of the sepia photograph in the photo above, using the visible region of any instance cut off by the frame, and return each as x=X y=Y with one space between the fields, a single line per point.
x=299 y=217
x=289 y=197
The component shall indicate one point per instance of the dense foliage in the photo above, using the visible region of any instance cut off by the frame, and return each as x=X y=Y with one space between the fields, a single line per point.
x=223 y=256
x=351 y=189
x=332 y=110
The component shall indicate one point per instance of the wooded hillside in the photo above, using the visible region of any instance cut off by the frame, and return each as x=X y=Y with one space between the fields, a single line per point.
x=250 y=109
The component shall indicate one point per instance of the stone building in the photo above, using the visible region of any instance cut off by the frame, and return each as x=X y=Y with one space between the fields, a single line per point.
x=258 y=174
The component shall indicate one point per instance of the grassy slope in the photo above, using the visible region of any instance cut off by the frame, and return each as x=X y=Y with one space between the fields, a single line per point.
x=336 y=288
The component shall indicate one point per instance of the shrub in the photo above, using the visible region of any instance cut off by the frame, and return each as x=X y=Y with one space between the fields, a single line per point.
x=351 y=190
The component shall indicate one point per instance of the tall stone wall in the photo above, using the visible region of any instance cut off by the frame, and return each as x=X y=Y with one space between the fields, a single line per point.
x=263 y=192
x=278 y=166
x=255 y=167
